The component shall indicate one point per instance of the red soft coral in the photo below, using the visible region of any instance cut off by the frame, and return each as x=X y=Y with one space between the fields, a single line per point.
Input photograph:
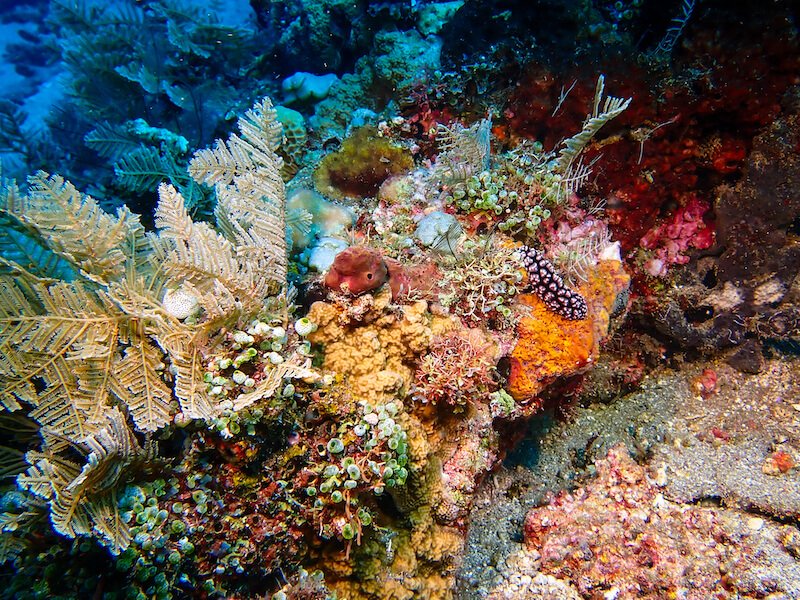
x=458 y=368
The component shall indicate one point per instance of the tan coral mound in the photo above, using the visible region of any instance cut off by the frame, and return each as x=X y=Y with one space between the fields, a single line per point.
x=376 y=356
x=373 y=348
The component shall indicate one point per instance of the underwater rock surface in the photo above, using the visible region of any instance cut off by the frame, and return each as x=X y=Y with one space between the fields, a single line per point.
x=727 y=456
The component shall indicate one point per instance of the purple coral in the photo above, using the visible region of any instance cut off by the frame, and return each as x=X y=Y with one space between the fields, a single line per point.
x=550 y=287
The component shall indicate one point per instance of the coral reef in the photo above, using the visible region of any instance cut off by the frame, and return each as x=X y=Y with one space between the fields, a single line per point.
x=346 y=350
x=482 y=285
x=371 y=455
x=657 y=550
x=317 y=36
x=374 y=349
x=740 y=293
x=697 y=451
x=295 y=137
x=316 y=217
x=672 y=240
x=306 y=87
x=456 y=369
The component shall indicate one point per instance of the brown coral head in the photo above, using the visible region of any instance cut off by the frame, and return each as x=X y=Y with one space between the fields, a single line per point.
x=357 y=269
x=364 y=161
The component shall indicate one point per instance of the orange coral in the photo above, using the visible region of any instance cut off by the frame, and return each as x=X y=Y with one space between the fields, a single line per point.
x=551 y=346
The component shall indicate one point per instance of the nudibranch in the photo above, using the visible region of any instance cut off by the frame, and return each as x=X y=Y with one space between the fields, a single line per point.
x=550 y=287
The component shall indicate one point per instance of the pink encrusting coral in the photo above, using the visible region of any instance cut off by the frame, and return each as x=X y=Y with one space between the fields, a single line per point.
x=688 y=228
x=619 y=537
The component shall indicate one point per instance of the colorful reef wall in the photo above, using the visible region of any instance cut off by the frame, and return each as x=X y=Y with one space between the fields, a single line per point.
x=276 y=325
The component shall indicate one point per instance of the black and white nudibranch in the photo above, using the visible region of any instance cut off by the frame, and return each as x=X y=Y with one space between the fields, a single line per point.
x=550 y=287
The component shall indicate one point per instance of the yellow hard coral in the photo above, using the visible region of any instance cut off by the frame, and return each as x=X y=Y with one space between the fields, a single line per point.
x=551 y=346
x=374 y=356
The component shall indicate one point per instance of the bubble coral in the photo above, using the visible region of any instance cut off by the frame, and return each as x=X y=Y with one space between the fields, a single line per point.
x=180 y=303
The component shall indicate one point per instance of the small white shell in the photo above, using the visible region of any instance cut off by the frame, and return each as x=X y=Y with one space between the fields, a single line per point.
x=180 y=303
x=259 y=328
x=242 y=337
